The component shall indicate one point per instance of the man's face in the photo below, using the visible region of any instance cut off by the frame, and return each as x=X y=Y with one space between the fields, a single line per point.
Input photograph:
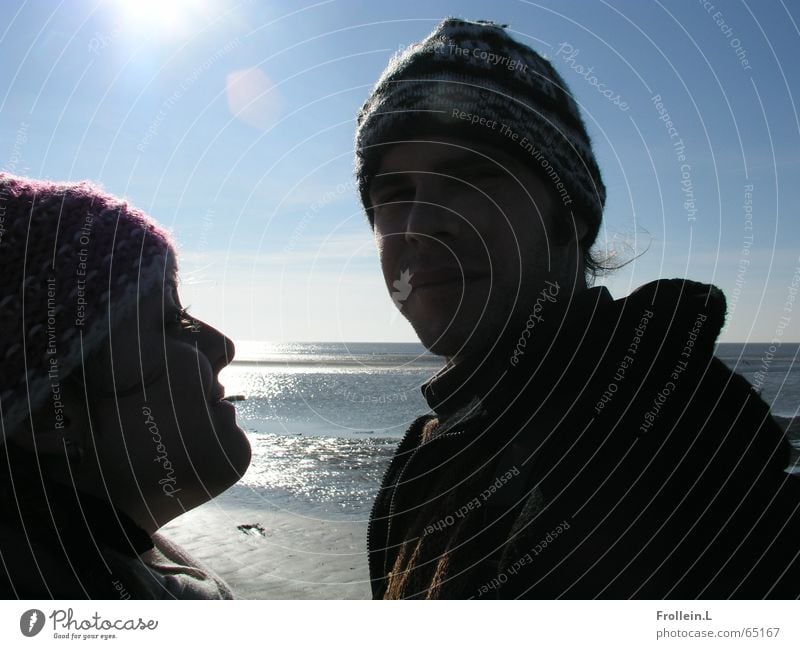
x=465 y=237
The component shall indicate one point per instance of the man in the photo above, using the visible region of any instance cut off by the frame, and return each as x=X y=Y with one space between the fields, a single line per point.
x=578 y=446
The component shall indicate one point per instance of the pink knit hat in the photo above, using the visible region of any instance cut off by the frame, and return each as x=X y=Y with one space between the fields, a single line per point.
x=68 y=252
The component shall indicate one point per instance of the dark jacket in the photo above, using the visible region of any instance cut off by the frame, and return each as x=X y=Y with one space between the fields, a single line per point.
x=599 y=450
x=57 y=542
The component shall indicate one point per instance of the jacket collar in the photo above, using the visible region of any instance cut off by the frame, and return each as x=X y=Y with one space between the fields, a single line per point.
x=574 y=333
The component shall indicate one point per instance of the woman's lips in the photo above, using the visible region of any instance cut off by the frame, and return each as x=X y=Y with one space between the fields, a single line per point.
x=217 y=393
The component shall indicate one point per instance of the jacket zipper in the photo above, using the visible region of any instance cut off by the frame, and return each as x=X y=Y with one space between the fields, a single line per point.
x=392 y=503
x=386 y=477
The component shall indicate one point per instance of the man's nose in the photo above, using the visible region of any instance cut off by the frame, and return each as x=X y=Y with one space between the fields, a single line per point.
x=431 y=221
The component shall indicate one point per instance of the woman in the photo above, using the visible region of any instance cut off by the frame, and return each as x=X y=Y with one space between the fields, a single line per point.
x=112 y=420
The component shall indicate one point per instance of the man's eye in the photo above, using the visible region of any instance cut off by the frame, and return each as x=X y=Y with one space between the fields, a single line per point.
x=395 y=198
x=478 y=175
x=394 y=194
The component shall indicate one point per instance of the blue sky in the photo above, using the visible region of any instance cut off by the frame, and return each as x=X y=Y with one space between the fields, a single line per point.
x=232 y=123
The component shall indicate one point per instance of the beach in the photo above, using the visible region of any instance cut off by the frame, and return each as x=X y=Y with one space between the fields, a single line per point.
x=279 y=554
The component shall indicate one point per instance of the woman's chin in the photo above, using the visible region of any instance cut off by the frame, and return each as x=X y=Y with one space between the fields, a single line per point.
x=243 y=458
x=234 y=443
x=236 y=460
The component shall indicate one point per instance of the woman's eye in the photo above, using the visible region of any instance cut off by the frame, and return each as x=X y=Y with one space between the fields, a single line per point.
x=185 y=321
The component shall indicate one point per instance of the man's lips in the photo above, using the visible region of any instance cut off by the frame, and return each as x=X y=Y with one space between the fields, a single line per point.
x=429 y=278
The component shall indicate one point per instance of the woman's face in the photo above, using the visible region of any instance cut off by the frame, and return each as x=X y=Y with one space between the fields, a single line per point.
x=165 y=440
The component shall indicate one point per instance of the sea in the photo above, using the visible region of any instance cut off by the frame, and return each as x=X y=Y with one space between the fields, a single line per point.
x=324 y=419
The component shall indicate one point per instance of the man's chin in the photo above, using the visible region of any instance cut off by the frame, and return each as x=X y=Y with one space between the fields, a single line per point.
x=450 y=343
x=454 y=330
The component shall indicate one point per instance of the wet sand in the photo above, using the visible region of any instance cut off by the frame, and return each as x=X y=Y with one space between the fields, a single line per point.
x=276 y=554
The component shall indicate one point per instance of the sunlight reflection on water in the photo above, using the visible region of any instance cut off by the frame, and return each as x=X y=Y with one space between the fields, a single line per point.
x=339 y=401
x=324 y=419
x=331 y=475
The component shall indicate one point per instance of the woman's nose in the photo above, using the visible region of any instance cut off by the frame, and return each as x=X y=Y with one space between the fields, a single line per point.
x=219 y=349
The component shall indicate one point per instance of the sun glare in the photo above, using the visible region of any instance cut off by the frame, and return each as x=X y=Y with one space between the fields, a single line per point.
x=164 y=16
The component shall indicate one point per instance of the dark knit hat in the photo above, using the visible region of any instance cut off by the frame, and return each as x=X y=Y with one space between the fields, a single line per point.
x=68 y=252
x=472 y=79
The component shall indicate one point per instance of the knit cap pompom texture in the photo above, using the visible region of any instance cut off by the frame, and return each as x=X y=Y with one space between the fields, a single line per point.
x=475 y=67
x=75 y=260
